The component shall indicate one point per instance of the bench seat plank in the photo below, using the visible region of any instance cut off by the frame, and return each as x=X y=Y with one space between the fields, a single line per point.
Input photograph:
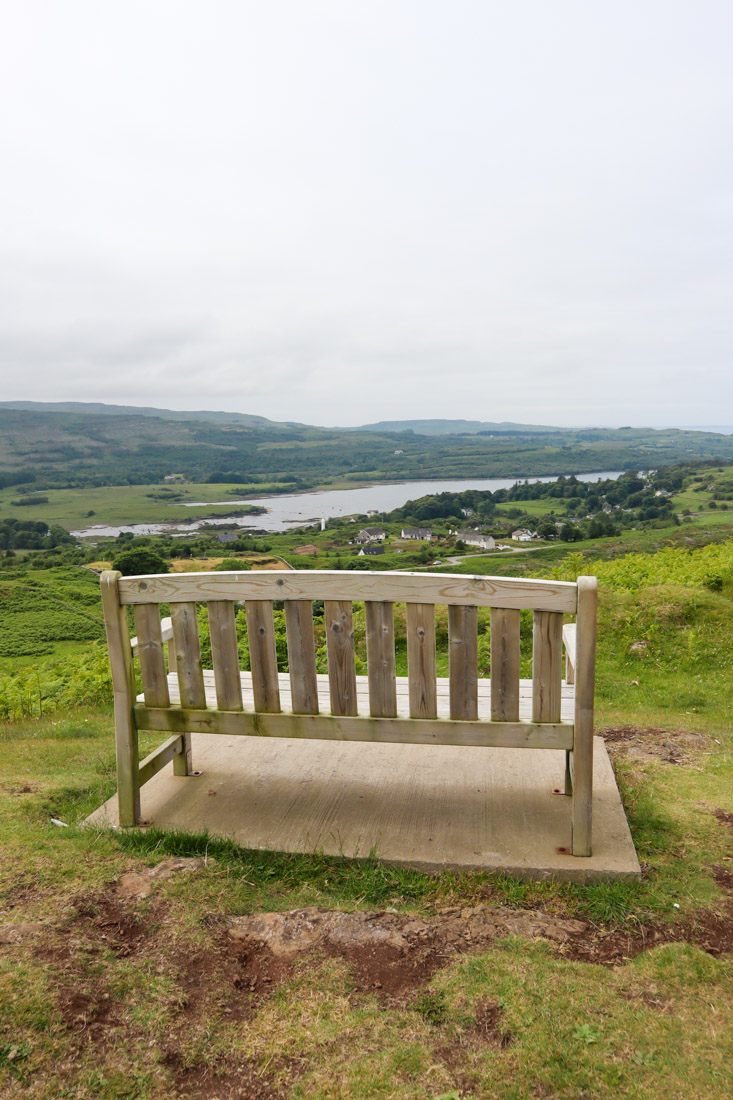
x=402 y=693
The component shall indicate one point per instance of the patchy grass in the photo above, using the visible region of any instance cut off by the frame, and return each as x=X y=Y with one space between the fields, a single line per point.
x=111 y=995
x=149 y=998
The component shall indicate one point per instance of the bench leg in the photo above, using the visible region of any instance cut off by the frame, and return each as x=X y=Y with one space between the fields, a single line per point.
x=582 y=793
x=128 y=773
x=183 y=761
x=582 y=763
x=568 y=773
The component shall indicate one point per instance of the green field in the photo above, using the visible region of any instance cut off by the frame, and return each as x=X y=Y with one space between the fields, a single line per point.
x=119 y=505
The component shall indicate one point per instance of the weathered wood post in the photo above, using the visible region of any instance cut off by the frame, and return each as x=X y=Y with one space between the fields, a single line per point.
x=123 y=684
x=585 y=664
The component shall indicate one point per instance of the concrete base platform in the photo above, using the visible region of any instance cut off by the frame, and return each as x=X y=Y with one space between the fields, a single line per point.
x=430 y=807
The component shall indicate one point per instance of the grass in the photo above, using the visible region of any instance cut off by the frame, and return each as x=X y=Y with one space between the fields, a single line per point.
x=144 y=1000
x=642 y=1029
x=119 y=505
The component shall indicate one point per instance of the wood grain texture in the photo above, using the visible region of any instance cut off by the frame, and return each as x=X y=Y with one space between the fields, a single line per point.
x=339 y=624
x=263 y=655
x=504 y=664
x=421 y=660
x=123 y=687
x=301 y=656
x=151 y=654
x=463 y=662
x=441 y=731
x=224 y=654
x=161 y=756
x=188 y=669
x=381 y=659
x=395 y=587
x=582 y=755
x=546 y=666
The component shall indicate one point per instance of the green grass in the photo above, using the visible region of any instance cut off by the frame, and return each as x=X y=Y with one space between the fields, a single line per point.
x=656 y=1026
x=644 y=1029
x=119 y=505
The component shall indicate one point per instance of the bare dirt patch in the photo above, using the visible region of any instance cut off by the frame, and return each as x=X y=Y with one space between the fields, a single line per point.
x=488 y=1030
x=109 y=922
x=224 y=1081
x=676 y=746
x=389 y=954
x=711 y=930
x=724 y=817
x=89 y=1013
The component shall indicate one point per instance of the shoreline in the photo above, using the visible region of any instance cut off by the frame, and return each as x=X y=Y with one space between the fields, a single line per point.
x=181 y=527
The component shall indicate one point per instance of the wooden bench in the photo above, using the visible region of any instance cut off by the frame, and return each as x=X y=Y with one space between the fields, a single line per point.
x=462 y=709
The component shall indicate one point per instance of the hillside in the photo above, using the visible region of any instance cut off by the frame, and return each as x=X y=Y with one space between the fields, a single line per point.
x=452 y=427
x=40 y=449
x=97 y=408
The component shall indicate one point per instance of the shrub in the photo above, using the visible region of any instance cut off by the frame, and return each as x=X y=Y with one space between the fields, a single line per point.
x=132 y=563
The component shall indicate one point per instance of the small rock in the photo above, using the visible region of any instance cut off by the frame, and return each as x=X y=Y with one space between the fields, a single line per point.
x=16 y=933
x=138 y=884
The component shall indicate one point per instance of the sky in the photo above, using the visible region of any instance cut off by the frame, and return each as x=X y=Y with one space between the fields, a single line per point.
x=339 y=212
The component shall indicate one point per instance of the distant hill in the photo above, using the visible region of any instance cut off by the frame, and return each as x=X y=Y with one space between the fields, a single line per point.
x=97 y=408
x=452 y=427
x=73 y=444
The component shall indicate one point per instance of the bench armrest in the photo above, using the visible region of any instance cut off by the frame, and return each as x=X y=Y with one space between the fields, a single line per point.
x=568 y=637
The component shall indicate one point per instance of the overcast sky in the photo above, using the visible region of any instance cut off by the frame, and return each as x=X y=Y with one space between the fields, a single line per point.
x=337 y=212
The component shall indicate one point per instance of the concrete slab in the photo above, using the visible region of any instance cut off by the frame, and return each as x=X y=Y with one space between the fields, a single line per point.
x=430 y=807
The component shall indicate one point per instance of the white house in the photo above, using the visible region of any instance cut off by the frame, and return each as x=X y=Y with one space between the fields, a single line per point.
x=371 y=534
x=417 y=533
x=522 y=535
x=475 y=538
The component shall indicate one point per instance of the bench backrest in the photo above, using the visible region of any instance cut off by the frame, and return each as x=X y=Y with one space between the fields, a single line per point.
x=505 y=596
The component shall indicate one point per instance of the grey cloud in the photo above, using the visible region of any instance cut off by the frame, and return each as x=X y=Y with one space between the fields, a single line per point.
x=342 y=213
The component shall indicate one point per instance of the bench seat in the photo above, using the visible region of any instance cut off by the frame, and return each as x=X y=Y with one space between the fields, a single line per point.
x=362 y=694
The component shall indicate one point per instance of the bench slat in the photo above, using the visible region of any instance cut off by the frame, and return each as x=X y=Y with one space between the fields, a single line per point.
x=381 y=659
x=339 y=622
x=301 y=656
x=190 y=674
x=152 y=655
x=463 y=662
x=421 y=660
x=546 y=666
x=504 y=664
x=263 y=655
x=224 y=654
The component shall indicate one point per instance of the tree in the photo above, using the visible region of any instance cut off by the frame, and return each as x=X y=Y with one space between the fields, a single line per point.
x=140 y=561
